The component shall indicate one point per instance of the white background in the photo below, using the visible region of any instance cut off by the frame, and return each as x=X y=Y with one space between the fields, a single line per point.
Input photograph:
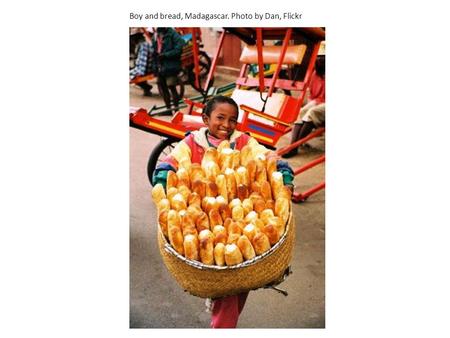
x=64 y=172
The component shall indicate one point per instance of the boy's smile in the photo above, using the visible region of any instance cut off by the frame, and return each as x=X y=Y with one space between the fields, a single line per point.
x=222 y=121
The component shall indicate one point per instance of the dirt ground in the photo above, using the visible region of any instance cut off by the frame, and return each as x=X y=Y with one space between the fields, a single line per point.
x=156 y=300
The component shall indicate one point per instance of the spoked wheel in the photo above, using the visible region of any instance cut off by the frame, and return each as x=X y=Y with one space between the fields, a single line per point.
x=204 y=64
x=162 y=149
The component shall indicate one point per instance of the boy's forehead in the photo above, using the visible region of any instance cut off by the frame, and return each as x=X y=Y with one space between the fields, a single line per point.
x=225 y=108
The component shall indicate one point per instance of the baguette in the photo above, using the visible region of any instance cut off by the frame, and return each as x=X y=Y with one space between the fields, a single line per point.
x=220 y=234
x=233 y=255
x=206 y=244
x=202 y=222
x=172 y=180
x=222 y=186
x=260 y=243
x=158 y=193
x=190 y=245
x=219 y=254
x=246 y=248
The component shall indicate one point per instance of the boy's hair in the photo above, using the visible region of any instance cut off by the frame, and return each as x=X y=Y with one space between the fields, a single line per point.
x=213 y=102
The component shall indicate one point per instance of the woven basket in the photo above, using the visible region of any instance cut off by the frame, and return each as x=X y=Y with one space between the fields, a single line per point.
x=208 y=281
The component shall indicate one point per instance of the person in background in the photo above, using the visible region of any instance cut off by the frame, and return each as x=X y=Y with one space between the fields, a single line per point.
x=220 y=116
x=142 y=48
x=313 y=112
x=168 y=46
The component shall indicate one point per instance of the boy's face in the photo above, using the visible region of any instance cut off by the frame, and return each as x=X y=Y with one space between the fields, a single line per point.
x=222 y=121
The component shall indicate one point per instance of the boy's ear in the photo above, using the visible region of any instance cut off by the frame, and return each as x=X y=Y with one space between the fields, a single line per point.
x=205 y=119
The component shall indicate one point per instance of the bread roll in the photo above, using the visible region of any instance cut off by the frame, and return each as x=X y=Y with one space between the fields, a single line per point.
x=226 y=223
x=236 y=159
x=265 y=215
x=285 y=193
x=270 y=204
x=266 y=190
x=251 y=169
x=202 y=222
x=190 y=245
x=225 y=211
x=252 y=215
x=234 y=228
x=220 y=234
x=158 y=193
x=219 y=254
x=173 y=219
x=184 y=163
x=220 y=201
x=242 y=192
x=211 y=189
x=199 y=187
x=211 y=170
x=211 y=155
x=250 y=230
x=241 y=224
x=271 y=166
x=271 y=233
x=259 y=205
x=171 y=192
x=214 y=218
x=277 y=183
x=194 y=211
x=258 y=224
x=235 y=202
x=260 y=243
x=233 y=255
x=282 y=206
x=183 y=178
x=187 y=224
x=209 y=203
x=226 y=159
x=246 y=248
x=194 y=199
x=172 y=180
x=185 y=191
x=237 y=213
x=233 y=238
x=255 y=187
x=231 y=183
x=176 y=239
x=206 y=244
x=241 y=175
x=278 y=224
x=174 y=231
x=246 y=155
x=222 y=186
x=178 y=202
x=196 y=173
x=163 y=205
x=162 y=220
x=247 y=204
x=225 y=144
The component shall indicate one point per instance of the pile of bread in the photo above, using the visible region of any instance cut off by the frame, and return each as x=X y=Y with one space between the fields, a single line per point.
x=228 y=209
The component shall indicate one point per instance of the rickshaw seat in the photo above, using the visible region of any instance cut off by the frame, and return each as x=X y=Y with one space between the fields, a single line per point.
x=271 y=54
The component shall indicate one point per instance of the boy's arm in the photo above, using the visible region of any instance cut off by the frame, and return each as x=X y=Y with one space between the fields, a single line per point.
x=180 y=154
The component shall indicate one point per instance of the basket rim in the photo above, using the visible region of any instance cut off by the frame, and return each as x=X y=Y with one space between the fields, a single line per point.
x=201 y=266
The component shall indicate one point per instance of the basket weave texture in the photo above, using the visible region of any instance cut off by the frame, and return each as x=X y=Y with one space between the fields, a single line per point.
x=214 y=282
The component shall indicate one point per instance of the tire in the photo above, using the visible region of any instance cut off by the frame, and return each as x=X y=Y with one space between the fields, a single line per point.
x=162 y=149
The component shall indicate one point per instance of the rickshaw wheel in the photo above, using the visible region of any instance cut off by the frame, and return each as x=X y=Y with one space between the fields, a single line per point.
x=162 y=149
x=204 y=65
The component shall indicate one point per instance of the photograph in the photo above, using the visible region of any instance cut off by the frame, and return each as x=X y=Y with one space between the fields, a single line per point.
x=227 y=177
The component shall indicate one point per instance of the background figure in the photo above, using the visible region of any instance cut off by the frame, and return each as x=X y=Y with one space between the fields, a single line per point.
x=312 y=114
x=168 y=46
x=142 y=50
